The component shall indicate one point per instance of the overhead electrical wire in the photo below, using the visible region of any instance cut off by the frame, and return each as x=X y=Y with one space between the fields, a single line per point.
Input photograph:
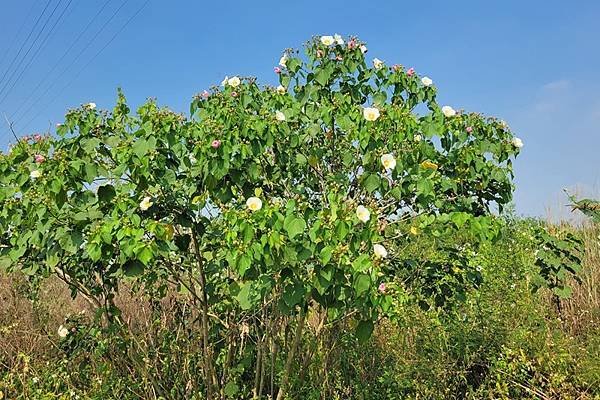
x=39 y=48
x=59 y=61
x=139 y=10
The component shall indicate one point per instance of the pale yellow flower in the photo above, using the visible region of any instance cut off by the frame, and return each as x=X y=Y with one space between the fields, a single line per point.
x=279 y=116
x=448 y=111
x=62 y=331
x=254 y=203
x=363 y=213
x=518 y=143
x=35 y=174
x=380 y=251
x=145 y=203
x=281 y=89
x=327 y=40
x=234 y=81
x=371 y=113
x=388 y=161
x=377 y=63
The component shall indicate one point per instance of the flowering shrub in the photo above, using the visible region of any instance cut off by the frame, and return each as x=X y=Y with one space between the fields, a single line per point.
x=267 y=203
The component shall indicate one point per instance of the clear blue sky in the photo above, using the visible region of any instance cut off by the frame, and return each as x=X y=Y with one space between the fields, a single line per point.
x=535 y=64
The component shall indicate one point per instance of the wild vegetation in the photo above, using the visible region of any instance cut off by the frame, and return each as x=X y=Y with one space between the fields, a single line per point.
x=339 y=236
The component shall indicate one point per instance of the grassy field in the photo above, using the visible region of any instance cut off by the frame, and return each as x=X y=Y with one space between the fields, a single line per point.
x=502 y=342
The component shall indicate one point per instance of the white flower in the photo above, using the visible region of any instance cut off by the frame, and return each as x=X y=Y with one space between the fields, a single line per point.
x=503 y=124
x=518 y=143
x=380 y=251
x=224 y=82
x=370 y=113
x=35 y=174
x=254 y=203
x=234 y=81
x=145 y=203
x=388 y=161
x=283 y=60
x=281 y=89
x=448 y=111
x=279 y=116
x=363 y=213
x=338 y=39
x=91 y=106
x=363 y=48
x=327 y=40
x=418 y=138
x=62 y=331
x=426 y=81
x=377 y=63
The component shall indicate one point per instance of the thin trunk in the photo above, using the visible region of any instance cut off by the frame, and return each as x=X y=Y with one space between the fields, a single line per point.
x=290 y=359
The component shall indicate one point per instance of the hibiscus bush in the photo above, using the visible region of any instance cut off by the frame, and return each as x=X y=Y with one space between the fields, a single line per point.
x=278 y=212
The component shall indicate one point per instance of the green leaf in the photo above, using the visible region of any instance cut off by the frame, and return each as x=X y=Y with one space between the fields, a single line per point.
x=243 y=296
x=293 y=294
x=363 y=331
x=371 y=183
x=325 y=254
x=362 y=284
x=294 y=226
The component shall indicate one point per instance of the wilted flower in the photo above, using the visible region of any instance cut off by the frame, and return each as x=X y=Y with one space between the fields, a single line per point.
x=518 y=143
x=370 y=113
x=283 y=60
x=254 y=203
x=363 y=213
x=414 y=230
x=388 y=161
x=215 y=144
x=377 y=63
x=35 y=174
x=426 y=81
x=145 y=203
x=62 y=331
x=39 y=158
x=281 y=89
x=429 y=165
x=327 y=40
x=279 y=116
x=338 y=39
x=234 y=81
x=448 y=111
x=379 y=251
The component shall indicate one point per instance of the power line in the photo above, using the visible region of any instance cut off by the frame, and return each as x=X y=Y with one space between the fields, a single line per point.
x=30 y=47
x=139 y=10
x=89 y=24
x=14 y=39
x=25 y=41
x=37 y=51
x=68 y=66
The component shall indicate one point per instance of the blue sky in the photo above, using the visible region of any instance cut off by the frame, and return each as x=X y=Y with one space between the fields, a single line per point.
x=534 y=64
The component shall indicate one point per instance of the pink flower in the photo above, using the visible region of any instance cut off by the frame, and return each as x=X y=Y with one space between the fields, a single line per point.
x=382 y=287
x=39 y=158
x=469 y=129
x=205 y=94
x=351 y=44
x=410 y=72
x=216 y=144
x=37 y=137
x=277 y=70
x=234 y=94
